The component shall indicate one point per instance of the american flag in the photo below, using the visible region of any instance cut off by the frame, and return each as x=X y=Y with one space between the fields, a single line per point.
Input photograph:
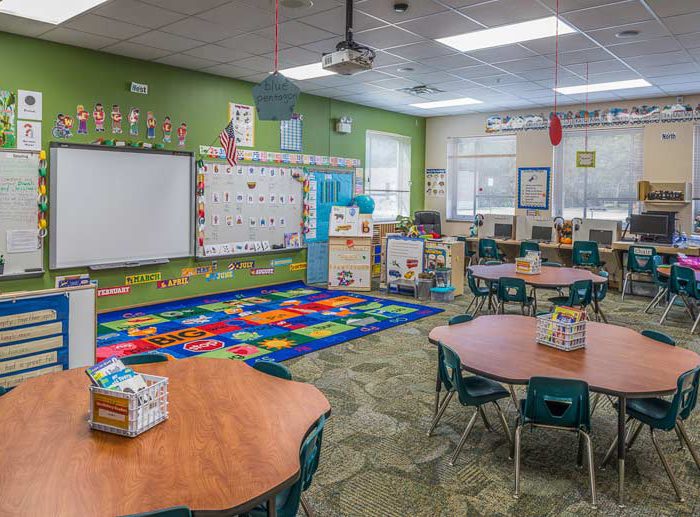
x=228 y=142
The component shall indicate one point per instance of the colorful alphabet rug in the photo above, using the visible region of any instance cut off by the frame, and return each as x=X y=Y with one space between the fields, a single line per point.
x=274 y=323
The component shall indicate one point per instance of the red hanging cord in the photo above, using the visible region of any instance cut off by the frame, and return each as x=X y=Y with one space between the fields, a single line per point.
x=277 y=33
x=556 y=59
x=585 y=118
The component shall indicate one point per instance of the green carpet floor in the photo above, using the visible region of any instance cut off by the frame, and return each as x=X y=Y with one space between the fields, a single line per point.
x=377 y=460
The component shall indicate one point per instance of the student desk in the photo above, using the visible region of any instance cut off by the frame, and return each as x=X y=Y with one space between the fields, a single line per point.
x=617 y=361
x=231 y=443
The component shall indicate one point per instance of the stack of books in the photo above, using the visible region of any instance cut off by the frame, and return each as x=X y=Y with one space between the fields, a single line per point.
x=564 y=328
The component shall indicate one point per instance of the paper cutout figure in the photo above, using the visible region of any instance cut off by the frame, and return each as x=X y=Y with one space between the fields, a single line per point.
x=134 y=115
x=215 y=197
x=227 y=197
x=229 y=220
x=252 y=222
x=83 y=115
x=62 y=126
x=263 y=221
x=240 y=197
x=215 y=220
x=239 y=220
x=181 y=135
x=98 y=115
x=167 y=130
x=150 y=126
x=116 y=120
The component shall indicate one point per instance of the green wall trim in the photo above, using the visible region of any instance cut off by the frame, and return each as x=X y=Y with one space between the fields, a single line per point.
x=69 y=76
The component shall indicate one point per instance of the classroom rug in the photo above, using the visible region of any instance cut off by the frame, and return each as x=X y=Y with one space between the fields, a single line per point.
x=273 y=324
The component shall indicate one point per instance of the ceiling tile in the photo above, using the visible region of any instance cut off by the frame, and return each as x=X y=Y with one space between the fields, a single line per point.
x=138 y=13
x=186 y=6
x=383 y=9
x=23 y=26
x=654 y=46
x=295 y=56
x=289 y=13
x=498 y=54
x=598 y=67
x=574 y=5
x=450 y=62
x=583 y=56
x=185 y=61
x=433 y=78
x=409 y=70
x=531 y=63
x=371 y=76
x=239 y=16
x=472 y=72
x=664 y=70
x=296 y=33
x=217 y=53
x=229 y=70
x=333 y=21
x=165 y=41
x=201 y=30
x=396 y=83
x=383 y=59
x=251 y=43
x=505 y=12
x=125 y=48
x=647 y=30
x=608 y=15
x=500 y=80
x=77 y=38
x=668 y=58
x=567 y=43
x=690 y=40
x=425 y=50
x=256 y=63
x=681 y=89
x=678 y=79
x=102 y=26
x=386 y=37
x=441 y=25
x=665 y=8
x=683 y=24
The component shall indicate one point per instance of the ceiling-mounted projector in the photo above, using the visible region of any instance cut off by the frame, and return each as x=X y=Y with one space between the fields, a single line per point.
x=349 y=57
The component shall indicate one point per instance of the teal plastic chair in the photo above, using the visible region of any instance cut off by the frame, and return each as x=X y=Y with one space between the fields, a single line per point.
x=580 y=295
x=659 y=336
x=274 y=369
x=460 y=318
x=560 y=404
x=147 y=358
x=600 y=291
x=551 y=264
x=585 y=254
x=2 y=391
x=513 y=290
x=661 y=283
x=473 y=391
x=526 y=246
x=663 y=415
x=640 y=261
x=479 y=294
x=176 y=511
x=288 y=502
x=682 y=284
x=488 y=250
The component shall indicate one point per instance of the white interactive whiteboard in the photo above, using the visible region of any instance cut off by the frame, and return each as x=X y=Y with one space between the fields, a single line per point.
x=117 y=206
x=20 y=244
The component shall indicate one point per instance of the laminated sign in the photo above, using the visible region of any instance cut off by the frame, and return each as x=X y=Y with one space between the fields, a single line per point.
x=275 y=97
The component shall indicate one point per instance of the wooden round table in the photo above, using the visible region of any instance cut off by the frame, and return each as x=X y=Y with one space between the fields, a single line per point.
x=549 y=278
x=616 y=361
x=666 y=271
x=231 y=442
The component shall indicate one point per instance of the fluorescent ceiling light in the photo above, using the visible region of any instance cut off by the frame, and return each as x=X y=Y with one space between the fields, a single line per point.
x=464 y=101
x=49 y=11
x=507 y=34
x=306 y=72
x=603 y=87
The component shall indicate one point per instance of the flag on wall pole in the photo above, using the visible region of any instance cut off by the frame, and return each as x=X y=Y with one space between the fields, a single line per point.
x=228 y=142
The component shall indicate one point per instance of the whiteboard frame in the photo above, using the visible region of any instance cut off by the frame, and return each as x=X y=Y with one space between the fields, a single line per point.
x=35 y=272
x=54 y=205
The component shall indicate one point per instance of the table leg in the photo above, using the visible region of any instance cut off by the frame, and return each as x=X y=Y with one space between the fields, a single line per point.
x=621 y=403
x=534 y=301
x=271 y=507
x=438 y=387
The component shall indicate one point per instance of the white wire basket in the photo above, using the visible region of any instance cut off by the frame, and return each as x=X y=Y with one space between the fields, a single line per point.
x=129 y=414
x=559 y=334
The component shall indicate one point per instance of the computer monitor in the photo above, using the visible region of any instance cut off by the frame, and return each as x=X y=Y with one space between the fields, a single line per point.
x=650 y=224
x=503 y=231
x=602 y=237
x=541 y=233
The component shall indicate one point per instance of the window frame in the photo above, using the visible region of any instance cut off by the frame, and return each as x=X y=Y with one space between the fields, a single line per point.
x=452 y=187
x=695 y=206
x=401 y=139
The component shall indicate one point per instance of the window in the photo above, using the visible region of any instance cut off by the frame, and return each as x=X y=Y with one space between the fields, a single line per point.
x=481 y=176
x=696 y=179
x=607 y=191
x=389 y=174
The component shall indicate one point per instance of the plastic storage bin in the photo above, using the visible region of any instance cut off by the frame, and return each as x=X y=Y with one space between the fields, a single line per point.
x=129 y=414
x=442 y=294
x=559 y=334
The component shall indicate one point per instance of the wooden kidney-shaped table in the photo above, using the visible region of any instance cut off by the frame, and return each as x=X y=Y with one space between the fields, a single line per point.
x=616 y=361
x=549 y=278
x=231 y=442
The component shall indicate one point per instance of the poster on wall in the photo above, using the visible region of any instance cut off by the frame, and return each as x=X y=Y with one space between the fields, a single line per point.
x=404 y=258
x=29 y=105
x=7 y=119
x=435 y=183
x=533 y=188
x=28 y=135
x=243 y=118
x=585 y=159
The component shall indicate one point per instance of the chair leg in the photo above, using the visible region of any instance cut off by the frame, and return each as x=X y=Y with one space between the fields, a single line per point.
x=667 y=467
x=579 y=450
x=516 y=446
x=596 y=401
x=656 y=299
x=602 y=315
x=624 y=287
x=305 y=506
x=635 y=435
x=591 y=467
x=504 y=424
x=487 y=424
x=440 y=412
x=680 y=438
x=681 y=427
x=695 y=325
x=466 y=311
x=468 y=430
x=668 y=308
x=514 y=398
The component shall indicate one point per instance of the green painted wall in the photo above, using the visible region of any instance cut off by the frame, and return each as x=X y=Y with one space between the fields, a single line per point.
x=69 y=76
